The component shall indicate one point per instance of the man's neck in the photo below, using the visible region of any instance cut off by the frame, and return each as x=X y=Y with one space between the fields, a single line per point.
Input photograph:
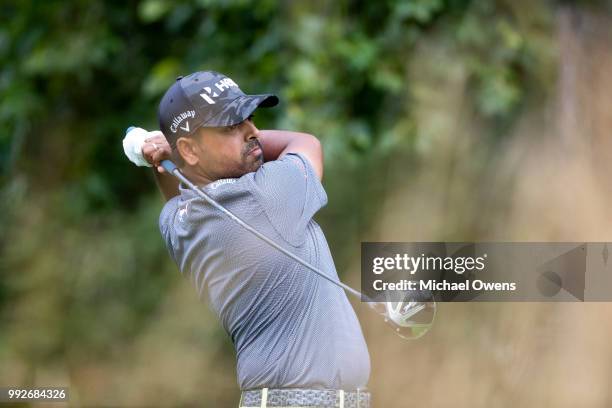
x=196 y=177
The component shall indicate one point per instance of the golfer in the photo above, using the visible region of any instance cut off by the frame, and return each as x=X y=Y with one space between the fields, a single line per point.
x=297 y=339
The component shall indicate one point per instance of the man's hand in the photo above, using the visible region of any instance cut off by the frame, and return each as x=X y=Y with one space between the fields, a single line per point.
x=155 y=149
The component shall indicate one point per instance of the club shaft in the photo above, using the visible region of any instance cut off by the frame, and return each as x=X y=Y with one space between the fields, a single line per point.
x=169 y=166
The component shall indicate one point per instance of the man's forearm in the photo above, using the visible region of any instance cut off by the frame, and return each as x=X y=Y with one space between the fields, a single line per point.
x=167 y=183
x=278 y=142
x=275 y=142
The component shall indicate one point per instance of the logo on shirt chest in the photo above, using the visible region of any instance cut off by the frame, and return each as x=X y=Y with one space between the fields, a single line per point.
x=182 y=213
x=221 y=182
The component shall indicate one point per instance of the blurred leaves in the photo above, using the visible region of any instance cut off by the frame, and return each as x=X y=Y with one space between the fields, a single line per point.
x=421 y=11
x=153 y=10
x=105 y=66
x=163 y=73
x=497 y=91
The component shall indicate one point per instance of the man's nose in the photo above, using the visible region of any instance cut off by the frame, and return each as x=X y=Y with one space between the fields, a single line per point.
x=251 y=132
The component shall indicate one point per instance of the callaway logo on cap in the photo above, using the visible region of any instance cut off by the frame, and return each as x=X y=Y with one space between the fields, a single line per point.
x=206 y=98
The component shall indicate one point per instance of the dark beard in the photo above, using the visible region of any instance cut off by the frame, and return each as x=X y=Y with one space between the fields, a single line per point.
x=259 y=159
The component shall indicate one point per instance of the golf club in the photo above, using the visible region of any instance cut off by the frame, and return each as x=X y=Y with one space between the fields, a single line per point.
x=410 y=319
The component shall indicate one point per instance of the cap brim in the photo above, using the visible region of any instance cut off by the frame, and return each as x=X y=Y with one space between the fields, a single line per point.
x=266 y=100
x=241 y=108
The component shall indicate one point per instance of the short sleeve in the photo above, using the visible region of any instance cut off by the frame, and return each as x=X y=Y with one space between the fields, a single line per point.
x=290 y=193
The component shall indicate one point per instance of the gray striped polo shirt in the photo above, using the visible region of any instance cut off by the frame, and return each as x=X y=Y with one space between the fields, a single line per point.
x=290 y=328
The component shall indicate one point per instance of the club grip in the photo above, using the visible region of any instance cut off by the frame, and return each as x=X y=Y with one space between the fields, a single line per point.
x=168 y=166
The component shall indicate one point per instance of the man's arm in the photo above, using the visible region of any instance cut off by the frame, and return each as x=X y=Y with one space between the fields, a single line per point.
x=277 y=143
x=155 y=150
x=167 y=184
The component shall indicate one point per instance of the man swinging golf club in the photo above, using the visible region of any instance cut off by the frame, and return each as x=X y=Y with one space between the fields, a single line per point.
x=298 y=341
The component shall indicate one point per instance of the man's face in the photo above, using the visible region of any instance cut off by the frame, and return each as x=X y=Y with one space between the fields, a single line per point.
x=228 y=152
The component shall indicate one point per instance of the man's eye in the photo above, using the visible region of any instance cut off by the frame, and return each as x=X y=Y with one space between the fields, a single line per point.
x=236 y=126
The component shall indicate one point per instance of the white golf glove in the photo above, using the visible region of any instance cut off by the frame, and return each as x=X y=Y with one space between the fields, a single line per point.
x=132 y=145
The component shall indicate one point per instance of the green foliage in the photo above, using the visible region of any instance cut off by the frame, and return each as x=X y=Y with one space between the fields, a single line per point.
x=99 y=67
x=421 y=11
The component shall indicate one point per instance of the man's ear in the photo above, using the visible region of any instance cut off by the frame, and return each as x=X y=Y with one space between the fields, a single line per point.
x=187 y=147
